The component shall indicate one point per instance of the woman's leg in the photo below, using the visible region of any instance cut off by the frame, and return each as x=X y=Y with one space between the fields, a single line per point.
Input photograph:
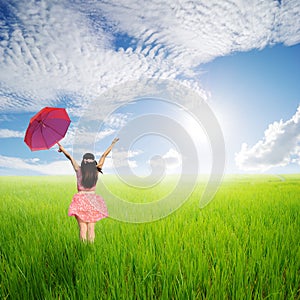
x=91 y=232
x=82 y=229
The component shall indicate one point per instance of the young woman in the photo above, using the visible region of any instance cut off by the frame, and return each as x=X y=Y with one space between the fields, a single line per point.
x=86 y=206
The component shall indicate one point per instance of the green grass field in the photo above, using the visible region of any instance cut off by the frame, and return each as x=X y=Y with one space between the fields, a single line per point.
x=243 y=245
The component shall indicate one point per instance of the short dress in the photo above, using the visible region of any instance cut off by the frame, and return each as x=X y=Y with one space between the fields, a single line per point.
x=86 y=204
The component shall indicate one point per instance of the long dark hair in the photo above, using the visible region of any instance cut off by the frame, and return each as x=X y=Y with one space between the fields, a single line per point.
x=89 y=170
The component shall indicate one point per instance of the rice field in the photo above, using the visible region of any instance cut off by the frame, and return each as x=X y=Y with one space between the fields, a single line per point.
x=243 y=245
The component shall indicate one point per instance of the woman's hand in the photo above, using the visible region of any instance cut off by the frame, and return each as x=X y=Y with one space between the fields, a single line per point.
x=68 y=156
x=60 y=147
x=114 y=141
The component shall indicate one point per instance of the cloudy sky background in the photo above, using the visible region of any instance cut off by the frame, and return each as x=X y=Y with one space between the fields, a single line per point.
x=242 y=57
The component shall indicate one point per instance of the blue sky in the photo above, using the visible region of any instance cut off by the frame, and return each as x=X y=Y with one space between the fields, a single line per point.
x=242 y=59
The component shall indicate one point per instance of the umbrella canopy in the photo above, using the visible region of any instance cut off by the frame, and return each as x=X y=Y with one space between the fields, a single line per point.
x=47 y=128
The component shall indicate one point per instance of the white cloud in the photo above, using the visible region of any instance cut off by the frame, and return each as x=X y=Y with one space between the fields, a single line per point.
x=123 y=159
x=33 y=160
x=170 y=161
x=111 y=125
x=279 y=147
x=51 y=48
x=53 y=168
x=132 y=154
x=116 y=120
x=119 y=162
x=8 y=133
x=63 y=167
x=48 y=48
x=288 y=22
x=104 y=133
x=192 y=32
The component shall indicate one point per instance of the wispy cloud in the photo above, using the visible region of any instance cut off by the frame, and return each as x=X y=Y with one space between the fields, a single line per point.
x=193 y=32
x=49 y=48
x=64 y=167
x=34 y=165
x=123 y=159
x=279 y=147
x=8 y=133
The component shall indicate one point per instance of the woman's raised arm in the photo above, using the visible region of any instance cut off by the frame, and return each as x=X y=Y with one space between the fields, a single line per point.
x=102 y=158
x=68 y=156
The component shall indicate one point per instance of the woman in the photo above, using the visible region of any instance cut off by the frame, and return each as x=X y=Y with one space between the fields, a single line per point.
x=86 y=206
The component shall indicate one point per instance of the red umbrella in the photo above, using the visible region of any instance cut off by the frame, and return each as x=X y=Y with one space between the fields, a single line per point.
x=47 y=128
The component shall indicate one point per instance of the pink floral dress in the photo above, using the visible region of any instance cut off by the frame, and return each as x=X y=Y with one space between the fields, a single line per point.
x=86 y=204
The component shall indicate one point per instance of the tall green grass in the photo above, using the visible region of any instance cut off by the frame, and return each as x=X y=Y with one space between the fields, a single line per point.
x=243 y=245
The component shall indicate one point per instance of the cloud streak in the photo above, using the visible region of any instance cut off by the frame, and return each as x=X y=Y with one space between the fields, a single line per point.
x=8 y=133
x=64 y=167
x=279 y=147
x=33 y=165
